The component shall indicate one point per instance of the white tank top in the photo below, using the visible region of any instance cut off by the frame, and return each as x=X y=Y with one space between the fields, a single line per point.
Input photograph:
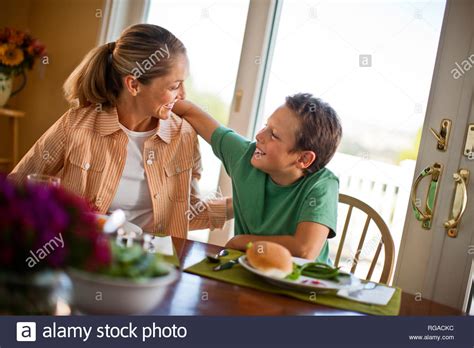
x=133 y=194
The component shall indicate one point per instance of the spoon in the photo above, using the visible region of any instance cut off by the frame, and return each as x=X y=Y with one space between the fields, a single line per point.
x=215 y=258
x=115 y=221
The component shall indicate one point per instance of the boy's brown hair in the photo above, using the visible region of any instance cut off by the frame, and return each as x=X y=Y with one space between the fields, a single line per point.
x=320 y=129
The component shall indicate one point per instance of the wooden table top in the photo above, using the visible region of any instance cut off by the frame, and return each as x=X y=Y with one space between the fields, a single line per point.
x=196 y=295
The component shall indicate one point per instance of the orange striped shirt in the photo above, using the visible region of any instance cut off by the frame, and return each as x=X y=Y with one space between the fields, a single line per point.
x=87 y=149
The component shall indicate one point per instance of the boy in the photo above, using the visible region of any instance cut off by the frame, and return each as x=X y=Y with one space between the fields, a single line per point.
x=281 y=191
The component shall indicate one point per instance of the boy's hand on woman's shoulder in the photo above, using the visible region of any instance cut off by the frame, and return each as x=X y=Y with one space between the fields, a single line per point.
x=182 y=107
x=201 y=121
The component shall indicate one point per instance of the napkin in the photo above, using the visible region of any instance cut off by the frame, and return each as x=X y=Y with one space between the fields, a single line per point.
x=379 y=295
x=161 y=245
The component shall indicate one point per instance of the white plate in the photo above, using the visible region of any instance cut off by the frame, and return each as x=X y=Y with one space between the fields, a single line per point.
x=127 y=226
x=304 y=283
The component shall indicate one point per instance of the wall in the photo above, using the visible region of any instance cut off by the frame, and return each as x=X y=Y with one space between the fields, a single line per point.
x=69 y=29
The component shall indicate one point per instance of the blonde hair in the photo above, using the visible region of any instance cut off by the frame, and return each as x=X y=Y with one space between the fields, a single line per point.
x=98 y=78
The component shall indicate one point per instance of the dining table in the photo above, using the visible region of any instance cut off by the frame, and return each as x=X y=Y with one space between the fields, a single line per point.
x=196 y=295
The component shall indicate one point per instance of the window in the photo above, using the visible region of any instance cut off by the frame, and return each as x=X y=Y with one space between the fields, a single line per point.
x=213 y=33
x=373 y=62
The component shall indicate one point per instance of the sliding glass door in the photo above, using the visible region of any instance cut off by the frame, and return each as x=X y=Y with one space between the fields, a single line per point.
x=397 y=72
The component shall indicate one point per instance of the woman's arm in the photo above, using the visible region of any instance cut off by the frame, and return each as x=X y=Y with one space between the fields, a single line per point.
x=201 y=121
x=47 y=154
x=306 y=243
x=211 y=211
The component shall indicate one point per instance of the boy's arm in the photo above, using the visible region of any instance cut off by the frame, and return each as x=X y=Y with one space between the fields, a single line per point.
x=201 y=121
x=227 y=145
x=306 y=243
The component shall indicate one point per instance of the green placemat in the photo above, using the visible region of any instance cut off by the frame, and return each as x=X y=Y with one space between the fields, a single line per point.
x=240 y=276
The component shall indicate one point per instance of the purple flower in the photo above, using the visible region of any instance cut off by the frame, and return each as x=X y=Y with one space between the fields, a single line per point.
x=31 y=217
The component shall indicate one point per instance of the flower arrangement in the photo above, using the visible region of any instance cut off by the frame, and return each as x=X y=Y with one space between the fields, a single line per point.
x=44 y=227
x=18 y=51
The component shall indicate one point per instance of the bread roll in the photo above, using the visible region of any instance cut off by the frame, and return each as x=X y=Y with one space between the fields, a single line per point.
x=272 y=259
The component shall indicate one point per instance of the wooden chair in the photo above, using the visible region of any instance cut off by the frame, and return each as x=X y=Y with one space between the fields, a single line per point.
x=385 y=240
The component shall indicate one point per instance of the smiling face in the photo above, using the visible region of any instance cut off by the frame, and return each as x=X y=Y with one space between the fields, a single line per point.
x=274 y=154
x=157 y=98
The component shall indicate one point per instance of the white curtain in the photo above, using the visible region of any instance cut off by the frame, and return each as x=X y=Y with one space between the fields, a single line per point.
x=118 y=15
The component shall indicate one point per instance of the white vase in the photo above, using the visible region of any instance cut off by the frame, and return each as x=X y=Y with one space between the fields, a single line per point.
x=5 y=88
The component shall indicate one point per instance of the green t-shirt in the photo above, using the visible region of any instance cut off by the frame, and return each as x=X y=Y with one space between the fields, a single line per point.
x=264 y=208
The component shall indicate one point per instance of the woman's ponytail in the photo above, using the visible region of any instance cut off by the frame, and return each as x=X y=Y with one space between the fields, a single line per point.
x=92 y=80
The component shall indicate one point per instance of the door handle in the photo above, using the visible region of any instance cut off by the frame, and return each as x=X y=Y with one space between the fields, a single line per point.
x=238 y=100
x=426 y=217
x=443 y=136
x=459 y=202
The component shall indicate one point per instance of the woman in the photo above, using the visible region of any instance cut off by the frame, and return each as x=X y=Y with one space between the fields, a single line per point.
x=120 y=146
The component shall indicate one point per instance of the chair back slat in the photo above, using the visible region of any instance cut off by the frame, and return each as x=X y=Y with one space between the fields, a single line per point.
x=355 y=261
x=386 y=240
x=343 y=236
x=374 y=261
